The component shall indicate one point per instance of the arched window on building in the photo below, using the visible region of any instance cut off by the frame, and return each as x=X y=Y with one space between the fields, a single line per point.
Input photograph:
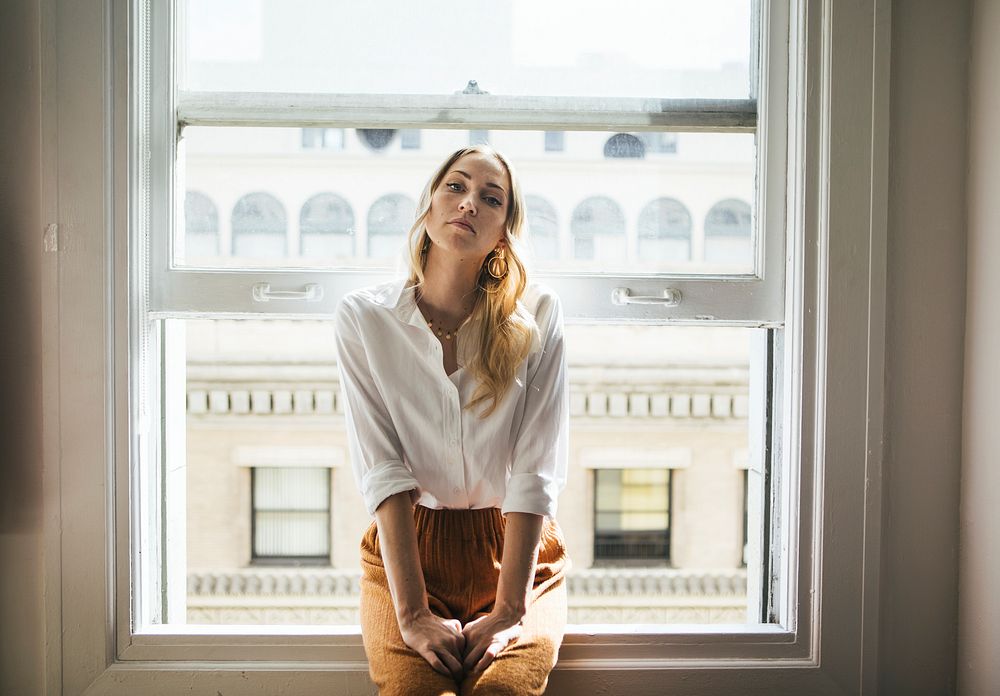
x=326 y=227
x=259 y=227
x=727 y=233
x=624 y=146
x=598 y=229
x=376 y=138
x=201 y=226
x=543 y=228
x=664 y=231
x=389 y=219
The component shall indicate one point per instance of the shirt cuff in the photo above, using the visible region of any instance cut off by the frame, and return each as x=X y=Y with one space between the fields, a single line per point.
x=533 y=493
x=387 y=479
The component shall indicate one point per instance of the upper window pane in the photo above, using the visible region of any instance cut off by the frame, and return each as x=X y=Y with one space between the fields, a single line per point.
x=631 y=48
x=684 y=210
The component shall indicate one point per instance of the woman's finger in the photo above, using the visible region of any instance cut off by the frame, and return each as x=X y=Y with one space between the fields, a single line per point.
x=450 y=661
x=435 y=663
x=476 y=651
x=491 y=652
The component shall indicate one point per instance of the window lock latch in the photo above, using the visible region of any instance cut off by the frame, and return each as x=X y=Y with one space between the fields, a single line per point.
x=312 y=292
x=671 y=297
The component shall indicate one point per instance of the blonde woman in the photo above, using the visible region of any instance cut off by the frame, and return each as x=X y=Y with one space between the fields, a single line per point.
x=457 y=413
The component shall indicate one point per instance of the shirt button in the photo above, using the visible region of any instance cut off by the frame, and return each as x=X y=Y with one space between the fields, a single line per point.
x=456 y=490
x=454 y=442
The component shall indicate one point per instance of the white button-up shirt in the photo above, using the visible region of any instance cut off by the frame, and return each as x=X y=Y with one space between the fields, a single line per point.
x=408 y=430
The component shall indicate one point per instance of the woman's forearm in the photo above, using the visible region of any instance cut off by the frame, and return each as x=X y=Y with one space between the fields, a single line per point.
x=398 y=543
x=517 y=569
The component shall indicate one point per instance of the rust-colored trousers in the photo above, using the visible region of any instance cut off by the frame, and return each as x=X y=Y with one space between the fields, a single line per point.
x=460 y=553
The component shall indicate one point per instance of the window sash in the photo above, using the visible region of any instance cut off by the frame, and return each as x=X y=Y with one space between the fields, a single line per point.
x=464 y=112
x=754 y=299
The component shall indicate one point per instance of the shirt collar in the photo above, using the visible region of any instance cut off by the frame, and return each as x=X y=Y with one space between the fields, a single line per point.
x=399 y=297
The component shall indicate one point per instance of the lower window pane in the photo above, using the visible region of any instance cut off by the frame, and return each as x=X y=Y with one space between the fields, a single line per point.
x=661 y=514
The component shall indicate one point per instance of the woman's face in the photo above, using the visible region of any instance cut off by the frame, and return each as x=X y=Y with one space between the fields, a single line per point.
x=468 y=211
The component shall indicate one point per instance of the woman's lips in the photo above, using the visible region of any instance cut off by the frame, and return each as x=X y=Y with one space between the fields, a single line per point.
x=463 y=224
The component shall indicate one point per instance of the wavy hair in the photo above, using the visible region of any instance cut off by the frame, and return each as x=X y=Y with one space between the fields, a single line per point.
x=501 y=327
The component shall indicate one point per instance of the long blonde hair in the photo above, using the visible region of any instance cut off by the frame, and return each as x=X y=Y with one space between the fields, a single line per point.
x=502 y=327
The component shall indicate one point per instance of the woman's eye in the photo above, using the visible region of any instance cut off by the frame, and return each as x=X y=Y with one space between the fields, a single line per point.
x=455 y=187
x=493 y=200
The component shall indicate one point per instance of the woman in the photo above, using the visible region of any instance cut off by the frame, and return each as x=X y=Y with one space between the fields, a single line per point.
x=457 y=413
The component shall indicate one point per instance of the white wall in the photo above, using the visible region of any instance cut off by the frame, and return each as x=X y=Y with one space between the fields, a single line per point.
x=924 y=329
x=21 y=553
x=926 y=306
x=979 y=568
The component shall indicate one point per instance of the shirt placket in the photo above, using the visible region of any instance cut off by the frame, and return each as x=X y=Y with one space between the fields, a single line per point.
x=451 y=427
x=453 y=440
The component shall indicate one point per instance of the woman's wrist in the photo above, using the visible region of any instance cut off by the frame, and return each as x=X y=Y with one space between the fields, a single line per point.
x=408 y=615
x=511 y=611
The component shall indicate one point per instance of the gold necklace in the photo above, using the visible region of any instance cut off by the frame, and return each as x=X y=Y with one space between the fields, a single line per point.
x=441 y=330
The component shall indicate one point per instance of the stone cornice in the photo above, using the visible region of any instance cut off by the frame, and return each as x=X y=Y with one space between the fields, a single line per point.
x=590 y=582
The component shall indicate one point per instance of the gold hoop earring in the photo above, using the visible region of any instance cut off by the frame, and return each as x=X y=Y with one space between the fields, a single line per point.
x=497 y=265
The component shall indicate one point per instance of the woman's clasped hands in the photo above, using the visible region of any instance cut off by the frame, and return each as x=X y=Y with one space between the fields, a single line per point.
x=457 y=650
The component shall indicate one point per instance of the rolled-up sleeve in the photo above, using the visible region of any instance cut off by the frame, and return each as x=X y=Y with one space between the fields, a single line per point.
x=376 y=454
x=540 y=451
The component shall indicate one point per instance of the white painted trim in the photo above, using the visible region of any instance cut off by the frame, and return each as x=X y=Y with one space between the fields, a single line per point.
x=716 y=300
x=838 y=199
x=470 y=111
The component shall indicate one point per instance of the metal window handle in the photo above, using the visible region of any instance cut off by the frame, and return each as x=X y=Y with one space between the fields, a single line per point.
x=312 y=292
x=623 y=296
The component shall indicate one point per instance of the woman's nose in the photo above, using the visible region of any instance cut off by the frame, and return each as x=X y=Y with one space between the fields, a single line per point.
x=468 y=205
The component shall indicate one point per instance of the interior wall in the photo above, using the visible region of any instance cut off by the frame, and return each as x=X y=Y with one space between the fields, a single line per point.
x=926 y=302
x=924 y=346
x=21 y=553
x=979 y=565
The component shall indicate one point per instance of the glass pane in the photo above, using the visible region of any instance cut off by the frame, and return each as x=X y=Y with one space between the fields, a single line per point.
x=630 y=48
x=258 y=197
x=653 y=513
x=291 y=489
x=289 y=534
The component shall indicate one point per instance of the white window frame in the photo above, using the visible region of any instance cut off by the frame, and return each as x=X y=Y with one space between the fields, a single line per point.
x=825 y=641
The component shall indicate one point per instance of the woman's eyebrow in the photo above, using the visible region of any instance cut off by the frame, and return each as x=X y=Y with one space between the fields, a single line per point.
x=488 y=183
